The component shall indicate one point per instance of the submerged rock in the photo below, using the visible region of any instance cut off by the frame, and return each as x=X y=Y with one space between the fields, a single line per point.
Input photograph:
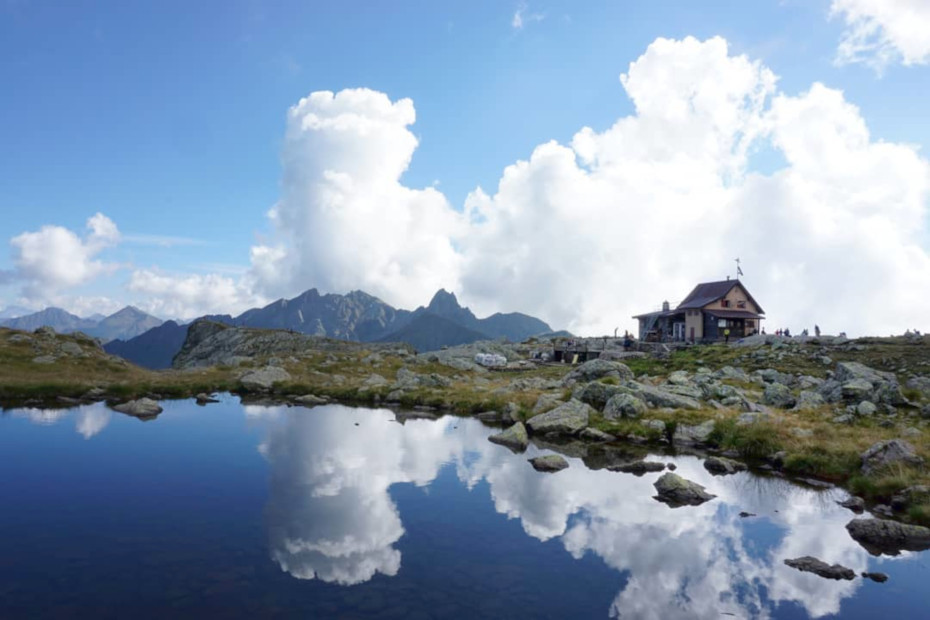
x=514 y=437
x=720 y=466
x=593 y=434
x=675 y=491
x=310 y=400
x=810 y=564
x=637 y=468
x=141 y=408
x=205 y=399
x=566 y=419
x=549 y=463
x=880 y=536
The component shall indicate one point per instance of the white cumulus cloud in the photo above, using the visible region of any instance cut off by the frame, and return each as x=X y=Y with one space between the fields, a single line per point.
x=191 y=295
x=880 y=32
x=55 y=258
x=344 y=220
x=588 y=233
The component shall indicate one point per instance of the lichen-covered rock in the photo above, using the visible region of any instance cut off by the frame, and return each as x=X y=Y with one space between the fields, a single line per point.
x=729 y=372
x=263 y=379
x=595 y=369
x=856 y=504
x=778 y=395
x=810 y=564
x=596 y=393
x=624 y=406
x=881 y=536
x=545 y=402
x=693 y=434
x=658 y=397
x=866 y=408
x=809 y=400
x=566 y=419
x=141 y=408
x=884 y=453
x=549 y=463
x=514 y=437
x=675 y=491
x=720 y=466
x=883 y=386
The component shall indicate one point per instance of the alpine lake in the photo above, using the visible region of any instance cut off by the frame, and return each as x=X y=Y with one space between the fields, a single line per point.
x=240 y=510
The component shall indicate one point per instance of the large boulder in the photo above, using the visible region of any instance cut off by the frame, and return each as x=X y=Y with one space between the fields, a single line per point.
x=514 y=437
x=263 y=379
x=778 y=395
x=596 y=393
x=595 y=369
x=624 y=406
x=141 y=408
x=675 y=491
x=881 y=536
x=883 y=386
x=810 y=564
x=566 y=419
x=658 y=397
x=891 y=452
x=690 y=435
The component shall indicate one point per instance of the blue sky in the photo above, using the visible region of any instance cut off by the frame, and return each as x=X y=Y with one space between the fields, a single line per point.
x=169 y=117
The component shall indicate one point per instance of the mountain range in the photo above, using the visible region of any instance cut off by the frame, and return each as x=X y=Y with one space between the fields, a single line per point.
x=354 y=316
x=126 y=323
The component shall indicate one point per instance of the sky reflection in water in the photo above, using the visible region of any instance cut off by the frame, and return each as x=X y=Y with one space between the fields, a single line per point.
x=336 y=512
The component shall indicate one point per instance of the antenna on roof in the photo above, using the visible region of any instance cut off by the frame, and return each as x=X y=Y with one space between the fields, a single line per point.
x=739 y=271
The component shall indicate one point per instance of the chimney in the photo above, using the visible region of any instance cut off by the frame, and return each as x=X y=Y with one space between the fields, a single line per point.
x=664 y=306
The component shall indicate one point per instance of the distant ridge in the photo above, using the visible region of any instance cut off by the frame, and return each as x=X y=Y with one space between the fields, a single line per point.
x=355 y=316
x=126 y=323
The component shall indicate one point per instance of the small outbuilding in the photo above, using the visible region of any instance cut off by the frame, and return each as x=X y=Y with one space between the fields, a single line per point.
x=704 y=315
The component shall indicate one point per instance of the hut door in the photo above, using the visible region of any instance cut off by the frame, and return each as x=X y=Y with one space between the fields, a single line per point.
x=692 y=333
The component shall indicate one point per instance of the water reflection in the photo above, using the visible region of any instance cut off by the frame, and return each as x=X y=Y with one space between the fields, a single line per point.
x=89 y=420
x=330 y=515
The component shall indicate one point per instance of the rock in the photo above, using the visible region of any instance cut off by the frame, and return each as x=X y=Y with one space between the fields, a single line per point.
x=720 y=466
x=545 y=402
x=514 y=437
x=905 y=498
x=866 y=408
x=844 y=418
x=637 y=468
x=71 y=348
x=753 y=417
x=883 y=510
x=310 y=400
x=693 y=435
x=44 y=359
x=729 y=372
x=778 y=395
x=856 y=390
x=658 y=397
x=549 y=463
x=808 y=400
x=595 y=369
x=596 y=394
x=885 y=453
x=624 y=406
x=802 y=433
x=141 y=408
x=45 y=330
x=566 y=419
x=856 y=504
x=263 y=379
x=920 y=384
x=882 y=386
x=593 y=434
x=675 y=491
x=880 y=536
x=511 y=413
x=656 y=425
x=810 y=564
x=671 y=466
x=679 y=377
x=374 y=380
x=205 y=399
x=743 y=514
x=877 y=577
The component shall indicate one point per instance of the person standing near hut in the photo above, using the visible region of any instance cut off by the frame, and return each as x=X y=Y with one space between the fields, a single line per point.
x=726 y=335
